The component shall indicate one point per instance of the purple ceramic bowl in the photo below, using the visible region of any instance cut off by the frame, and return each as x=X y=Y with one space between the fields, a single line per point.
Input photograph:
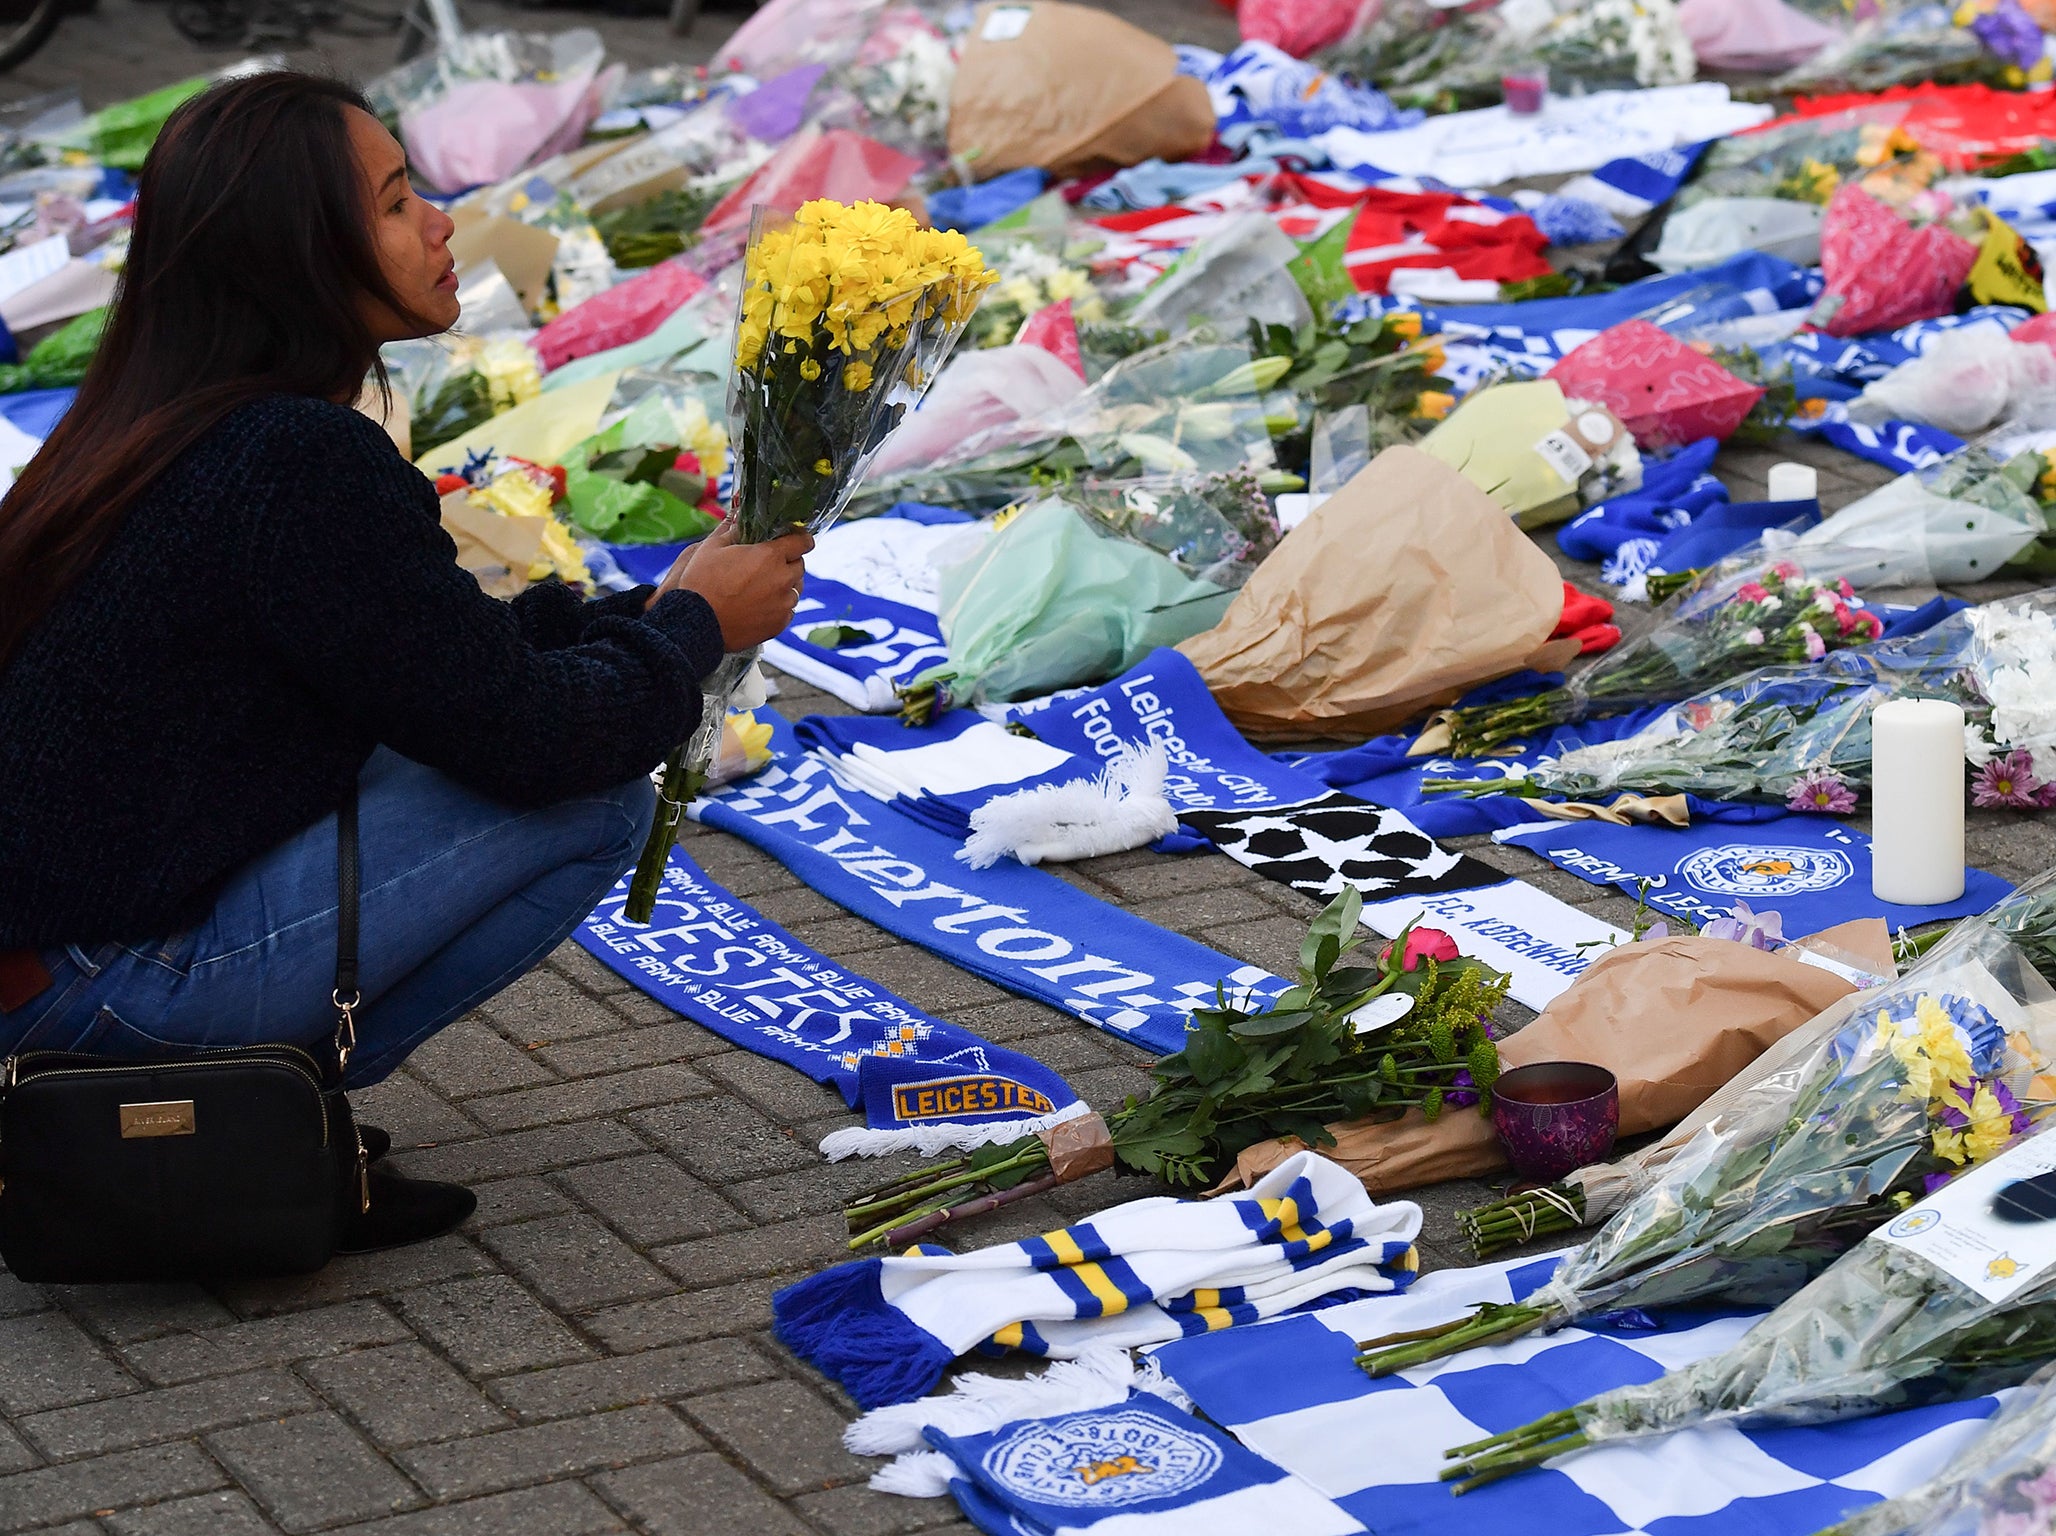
x=1554 y=1116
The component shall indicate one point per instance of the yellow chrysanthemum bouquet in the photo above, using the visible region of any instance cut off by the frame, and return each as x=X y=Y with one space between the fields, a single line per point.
x=846 y=313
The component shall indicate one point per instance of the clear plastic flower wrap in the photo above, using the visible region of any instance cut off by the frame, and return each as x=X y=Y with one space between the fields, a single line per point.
x=1788 y=609
x=1193 y=405
x=1902 y=1320
x=2001 y=1484
x=1904 y=1086
x=845 y=314
x=1795 y=735
x=1894 y=45
x=1451 y=57
x=1216 y=527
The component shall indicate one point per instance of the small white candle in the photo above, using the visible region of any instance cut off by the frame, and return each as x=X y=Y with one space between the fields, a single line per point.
x=1793 y=482
x=1916 y=802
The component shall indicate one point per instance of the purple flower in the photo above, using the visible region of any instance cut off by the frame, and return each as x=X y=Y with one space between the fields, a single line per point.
x=1822 y=791
x=2009 y=32
x=1935 y=1181
x=1462 y=1090
x=1759 y=930
x=2007 y=781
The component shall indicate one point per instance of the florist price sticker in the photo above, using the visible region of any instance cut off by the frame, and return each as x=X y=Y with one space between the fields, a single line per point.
x=1961 y=1232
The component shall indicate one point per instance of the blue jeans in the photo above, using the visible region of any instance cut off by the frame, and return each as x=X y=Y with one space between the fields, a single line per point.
x=461 y=896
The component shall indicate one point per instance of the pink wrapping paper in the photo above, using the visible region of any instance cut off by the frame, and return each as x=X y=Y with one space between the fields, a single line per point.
x=1664 y=392
x=1883 y=272
x=626 y=312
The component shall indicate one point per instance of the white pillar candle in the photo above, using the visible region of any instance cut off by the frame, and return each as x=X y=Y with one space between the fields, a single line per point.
x=1916 y=761
x=1793 y=482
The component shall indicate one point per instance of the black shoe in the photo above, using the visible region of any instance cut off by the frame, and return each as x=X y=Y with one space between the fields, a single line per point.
x=406 y=1211
x=376 y=1143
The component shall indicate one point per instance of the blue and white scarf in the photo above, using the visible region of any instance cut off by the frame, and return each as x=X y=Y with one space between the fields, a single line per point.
x=1144 y=1272
x=924 y=1085
x=1814 y=871
x=1291 y=1391
x=1137 y=1468
x=1017 y=927
x=864 y=673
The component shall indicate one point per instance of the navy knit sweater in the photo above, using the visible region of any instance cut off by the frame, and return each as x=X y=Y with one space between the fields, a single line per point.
x=281 y=601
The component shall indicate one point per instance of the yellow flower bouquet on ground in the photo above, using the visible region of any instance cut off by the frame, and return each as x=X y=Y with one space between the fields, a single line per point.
x=847 y=312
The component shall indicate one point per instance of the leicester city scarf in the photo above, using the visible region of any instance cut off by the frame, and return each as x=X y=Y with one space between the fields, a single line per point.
x=1017 y=927
x=1814 y=871
x=1145 y=1272
x=1138 y=1468
x=923 y=1084
x=1291 y=1392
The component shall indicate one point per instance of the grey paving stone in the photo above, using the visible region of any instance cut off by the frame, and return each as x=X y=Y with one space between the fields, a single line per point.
x=542 y=1006
x=657 y=1375
x=723 y=1140
x=805 y=1192
x=590 y=1097
x=312 y=1471
x=47 y=1361
x=571 y=961
x=847 y=936
x=555 y=1509
x=696 y=1496
x=730 y=1309
x=170 y=1413
x=17 y=1299
x=855 y=1510
x=521 y=1199
x=412 y=1113
x=783 y=1432
x=773 y=1250
x=354 y=1275
x=469 y=1058
x=640 y=1008
x=124 y=1314
x=620 y=1050
x=1169 y=876
x=1221 y=907
x=575 y=1263
x=1271 y=942
x=1014 y=1020
x=921 y=978
x=490 y=1326
x=265 y=1341
x=50 y=1494
x=772 y=1086
x=796 y=907
x=538 y=1151
x=562 y=1448
x=650 y=1199
x=227 y=1513
x=403 y=1395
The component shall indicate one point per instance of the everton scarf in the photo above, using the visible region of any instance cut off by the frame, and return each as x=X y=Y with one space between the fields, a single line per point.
x=1291 y=1391
x=1137 y=1468
x=1017 y=927
x=923 y=1084
x=1141 y=1273
x=1814 y=871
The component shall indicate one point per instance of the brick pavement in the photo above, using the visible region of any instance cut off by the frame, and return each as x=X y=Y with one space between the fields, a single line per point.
x=591 y=1353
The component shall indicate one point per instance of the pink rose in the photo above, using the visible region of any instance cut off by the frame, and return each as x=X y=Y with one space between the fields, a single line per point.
x=1426 y=944
x=1752 y=592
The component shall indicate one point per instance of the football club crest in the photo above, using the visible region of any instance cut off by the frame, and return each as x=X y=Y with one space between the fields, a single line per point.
x=1754 y=870
x=1101 y=1460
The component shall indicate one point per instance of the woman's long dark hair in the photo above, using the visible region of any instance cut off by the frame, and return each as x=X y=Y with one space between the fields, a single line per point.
x=247 y=274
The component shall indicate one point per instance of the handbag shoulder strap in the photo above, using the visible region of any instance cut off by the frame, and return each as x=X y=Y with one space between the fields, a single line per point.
x=346 y=996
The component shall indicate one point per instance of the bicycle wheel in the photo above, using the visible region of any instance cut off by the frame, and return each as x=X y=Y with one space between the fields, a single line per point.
x=25 y=25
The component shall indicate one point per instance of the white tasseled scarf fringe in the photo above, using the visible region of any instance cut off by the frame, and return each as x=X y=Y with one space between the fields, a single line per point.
x=1123 y=807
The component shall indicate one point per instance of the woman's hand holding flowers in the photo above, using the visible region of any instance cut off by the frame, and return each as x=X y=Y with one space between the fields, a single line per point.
x=752 y=588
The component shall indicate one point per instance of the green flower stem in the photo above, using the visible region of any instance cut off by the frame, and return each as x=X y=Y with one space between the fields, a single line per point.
x=1037 y=1156
x=682 y=783
x=1475 y=1475
x=1490 y=1325
x=1472 y=789
x=1549 y=1427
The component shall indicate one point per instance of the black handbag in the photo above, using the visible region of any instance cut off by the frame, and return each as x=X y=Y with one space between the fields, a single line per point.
x=231 y=1163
